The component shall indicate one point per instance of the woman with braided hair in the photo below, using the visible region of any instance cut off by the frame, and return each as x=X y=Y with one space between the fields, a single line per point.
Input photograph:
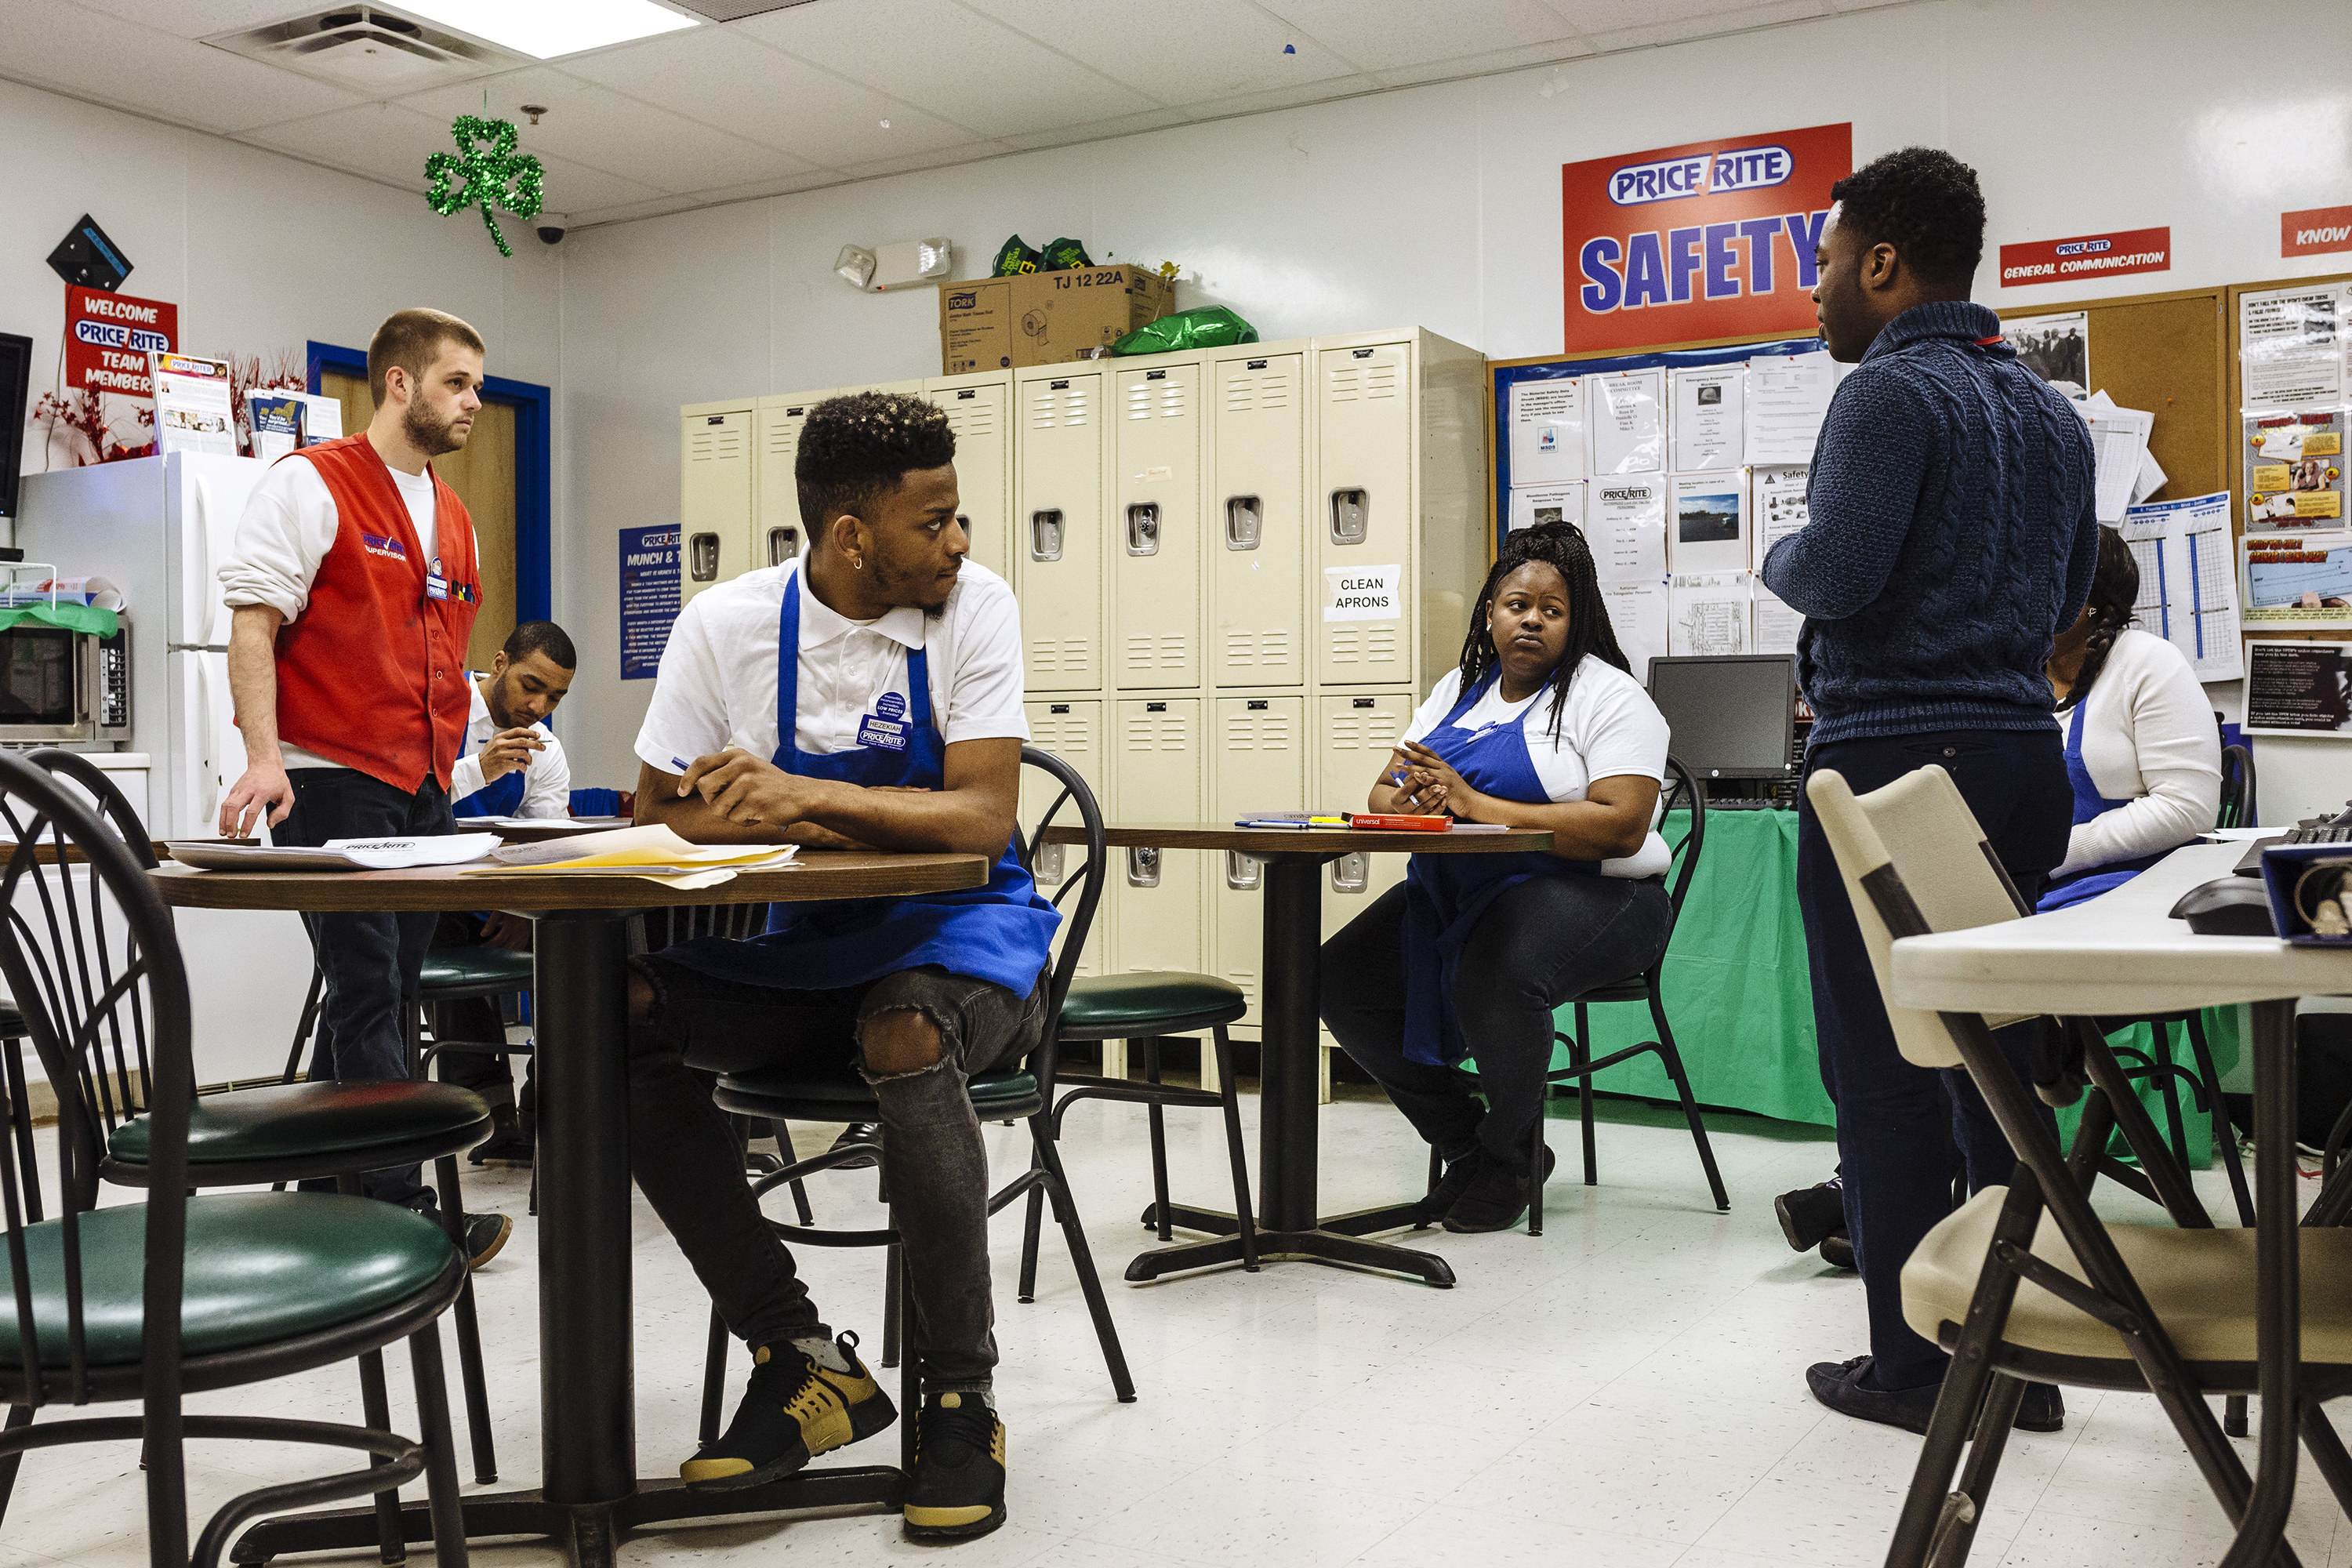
x=1541 y=726
x=2142 y=751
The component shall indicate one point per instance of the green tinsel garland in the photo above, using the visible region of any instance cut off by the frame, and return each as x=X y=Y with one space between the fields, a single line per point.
x=493 y=172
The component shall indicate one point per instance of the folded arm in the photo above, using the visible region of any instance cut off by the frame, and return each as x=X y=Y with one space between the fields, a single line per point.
x=734 y=797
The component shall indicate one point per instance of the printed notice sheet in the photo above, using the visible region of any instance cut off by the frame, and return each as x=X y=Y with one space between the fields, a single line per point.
x=1534 y=505
x=2293 y=345
x=1787 y=400
x=1710 y=529
x=2298 y=579
x=2189 y=580
x=2118 y=446
x=1626 y=416
x=1626 y=526
x=1777 y=625
x=1776 y=507
x=1707 y=615
x=1546 y=431
x=2295 y=470
x=1710 y=427
x=1637 y=614
x=193 y=412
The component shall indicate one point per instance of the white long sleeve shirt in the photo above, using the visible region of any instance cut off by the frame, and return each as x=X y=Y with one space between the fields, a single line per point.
x=2148 y=741
x=546 y=778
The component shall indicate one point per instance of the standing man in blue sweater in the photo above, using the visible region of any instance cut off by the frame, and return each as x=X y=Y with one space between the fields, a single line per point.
x=1952 y=535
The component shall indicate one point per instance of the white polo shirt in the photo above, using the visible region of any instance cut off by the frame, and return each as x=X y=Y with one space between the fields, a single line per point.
x=546 y=777
x=717 y=686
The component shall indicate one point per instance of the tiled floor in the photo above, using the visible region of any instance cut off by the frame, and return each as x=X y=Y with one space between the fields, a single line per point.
x=1626 y=1390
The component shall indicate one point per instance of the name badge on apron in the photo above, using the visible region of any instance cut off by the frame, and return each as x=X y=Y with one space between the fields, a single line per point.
x=436 y=587
x=885 y=728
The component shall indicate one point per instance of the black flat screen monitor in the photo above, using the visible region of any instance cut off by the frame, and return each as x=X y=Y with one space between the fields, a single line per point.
x=16 y=379
x=1733 y=717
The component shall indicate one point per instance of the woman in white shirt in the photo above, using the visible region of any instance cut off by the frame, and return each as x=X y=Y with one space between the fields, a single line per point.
x=2142 y=751
x=1541 y=726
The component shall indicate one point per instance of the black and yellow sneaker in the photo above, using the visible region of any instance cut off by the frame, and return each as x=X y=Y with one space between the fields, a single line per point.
x=958 y=1489
x=794 y=1409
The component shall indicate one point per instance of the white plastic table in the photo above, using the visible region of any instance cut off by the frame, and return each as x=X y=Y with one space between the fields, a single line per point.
x=2120 y=954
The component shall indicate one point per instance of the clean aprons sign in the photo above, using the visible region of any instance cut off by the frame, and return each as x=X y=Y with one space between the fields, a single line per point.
x=649 y=599
x=1363 y=593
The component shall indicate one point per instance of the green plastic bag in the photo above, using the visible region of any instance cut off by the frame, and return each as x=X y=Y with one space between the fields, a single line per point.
x=1013 y=258
x=1209 y=327
x=1066 y=255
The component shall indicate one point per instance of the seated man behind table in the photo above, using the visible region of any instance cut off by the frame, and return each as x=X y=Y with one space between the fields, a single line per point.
x=1542 y=726
x=866 y=694
x=511 y=766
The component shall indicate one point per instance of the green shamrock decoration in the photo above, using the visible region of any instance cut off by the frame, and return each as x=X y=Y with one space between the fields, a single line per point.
x=493 y=172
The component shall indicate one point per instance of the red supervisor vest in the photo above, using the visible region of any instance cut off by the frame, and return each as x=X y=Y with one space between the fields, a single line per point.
x=373 y=674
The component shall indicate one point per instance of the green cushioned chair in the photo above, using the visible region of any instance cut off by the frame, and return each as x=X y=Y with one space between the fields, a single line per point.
x=145 y=1302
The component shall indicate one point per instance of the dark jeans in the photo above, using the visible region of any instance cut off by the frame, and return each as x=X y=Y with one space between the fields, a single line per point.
x=1539 y=945
x=477 y=1018
x=933 y=1160
x=370 y=961
x=1890 y=1114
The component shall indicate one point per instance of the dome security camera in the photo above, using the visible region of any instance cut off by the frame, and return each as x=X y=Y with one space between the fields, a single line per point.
x=552 y=226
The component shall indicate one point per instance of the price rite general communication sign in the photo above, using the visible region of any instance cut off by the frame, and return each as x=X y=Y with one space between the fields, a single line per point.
x=2086 y=256
x=1710 y=239
x=109 y=337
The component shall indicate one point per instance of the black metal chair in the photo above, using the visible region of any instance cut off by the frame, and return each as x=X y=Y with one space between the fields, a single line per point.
x=786 y=1094
x=300 y=1132
x=180 y=1294
x=1683 y=793
x=2239 y=806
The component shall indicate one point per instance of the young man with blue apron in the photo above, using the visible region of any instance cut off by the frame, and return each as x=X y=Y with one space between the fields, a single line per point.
x=510 y=763
x=868 y=693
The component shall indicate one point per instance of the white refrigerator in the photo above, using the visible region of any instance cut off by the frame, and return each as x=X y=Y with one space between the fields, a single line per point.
x=158 y=528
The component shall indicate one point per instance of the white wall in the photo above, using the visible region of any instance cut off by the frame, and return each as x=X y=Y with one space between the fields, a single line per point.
x=1440 y=206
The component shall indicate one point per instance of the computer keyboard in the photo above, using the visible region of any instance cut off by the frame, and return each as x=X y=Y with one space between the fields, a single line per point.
x=2250 y=863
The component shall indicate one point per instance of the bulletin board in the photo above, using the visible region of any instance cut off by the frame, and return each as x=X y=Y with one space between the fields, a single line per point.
x=2228 y=430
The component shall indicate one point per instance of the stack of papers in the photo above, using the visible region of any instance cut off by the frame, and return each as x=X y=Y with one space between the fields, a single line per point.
x=655 y=852
x=2127 y=475
x=340 y=854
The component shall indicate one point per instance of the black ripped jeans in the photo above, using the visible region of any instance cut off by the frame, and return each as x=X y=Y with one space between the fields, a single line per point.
x=933 y=1159
x=1539 y=945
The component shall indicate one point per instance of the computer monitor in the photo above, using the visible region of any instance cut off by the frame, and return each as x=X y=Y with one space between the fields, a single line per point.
x=1733 y=717
x=15 y=381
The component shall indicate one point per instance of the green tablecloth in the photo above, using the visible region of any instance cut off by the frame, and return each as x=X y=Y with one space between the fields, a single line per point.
x=1742 y=1003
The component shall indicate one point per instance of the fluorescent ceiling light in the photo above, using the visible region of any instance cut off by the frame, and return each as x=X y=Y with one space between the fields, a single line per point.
x=546 y=28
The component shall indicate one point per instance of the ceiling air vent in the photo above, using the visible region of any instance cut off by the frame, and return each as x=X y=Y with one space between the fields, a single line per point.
x=373 y=49
x=736 y=10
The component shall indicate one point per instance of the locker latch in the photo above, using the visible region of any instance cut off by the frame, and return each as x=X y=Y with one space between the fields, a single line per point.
x=1242 y=871
x=1364 y=353
x=1365 y=703
x=715 y=419
x=1244 y=522
x=1046 y=535
x=1260 y=704
x=795 y=413
x=1046 y=870
x=1143 y=868
x=967 y=394
x=1143 y=527
x=1057 y=386
x=1352 y=515
x=702 y=557
x=1155 y=375
x=784 y=543
x=1256 y=365
x=1351 y=873
x=1155 y=707
x=1057 y=707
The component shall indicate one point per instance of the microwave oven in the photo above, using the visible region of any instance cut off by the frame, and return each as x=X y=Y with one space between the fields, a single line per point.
x=61 y=686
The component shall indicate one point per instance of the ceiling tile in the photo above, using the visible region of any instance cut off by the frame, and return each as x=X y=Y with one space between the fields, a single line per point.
x=197 y=19
x=956 y=63
x=1225 y=48
x=908 y=163
x=1100 y=130
x=605 y=130
x=1714 y=23
x=125 y=65
x=1518 y=58
x=718 y=77
x=1379 y=34
x=1697 y=17
x=389 y=142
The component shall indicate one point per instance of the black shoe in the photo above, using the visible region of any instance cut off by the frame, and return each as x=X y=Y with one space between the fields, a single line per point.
x=484 y=1234
x=956 y=1488
x=2043 y=1409
x=866 y=1134
x=1493 y=1196
x=1811 y=1215
x=792 y=1411
x=1450 y=1186
x=1839 y=1385
x=1837 y=1250
x=510 y=1142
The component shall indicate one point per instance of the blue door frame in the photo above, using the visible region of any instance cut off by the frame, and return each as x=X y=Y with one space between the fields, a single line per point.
x=534 y=432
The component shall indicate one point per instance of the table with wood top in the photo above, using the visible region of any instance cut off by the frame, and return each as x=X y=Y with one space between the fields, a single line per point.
x=1290 y=1226
x=589 y=1488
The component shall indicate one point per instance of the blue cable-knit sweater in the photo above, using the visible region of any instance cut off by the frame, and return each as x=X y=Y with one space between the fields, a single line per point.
x=1952 y=535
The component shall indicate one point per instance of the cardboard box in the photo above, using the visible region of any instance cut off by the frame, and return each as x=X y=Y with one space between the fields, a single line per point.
x=1045 y=318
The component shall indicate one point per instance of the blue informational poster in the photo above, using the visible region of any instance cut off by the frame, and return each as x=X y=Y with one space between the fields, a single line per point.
x=649 y=599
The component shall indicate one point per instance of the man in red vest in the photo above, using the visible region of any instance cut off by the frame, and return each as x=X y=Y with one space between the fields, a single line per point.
x=354 y=586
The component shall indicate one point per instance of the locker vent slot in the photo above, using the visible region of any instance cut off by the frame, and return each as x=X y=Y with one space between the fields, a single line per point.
x=1143 y=527
x=1146 y=653
x=1274 y=390
x=974 y=419
x=1351 y=873
x=1143 y=868
x=1060 y=406
x=702 y=557
x=1380 y=380
x=1046 y=535
x=699 y=447
x=1241 y=393
x=783 y=440
x=1380 y=644
x=1345 y=644
x=784 y=543
x=1060 y=656
x=1273 y=651
x=1347 y=734
x=1245 y=523
x=1351 y=516
x=1347 y=383
x=1242 y=871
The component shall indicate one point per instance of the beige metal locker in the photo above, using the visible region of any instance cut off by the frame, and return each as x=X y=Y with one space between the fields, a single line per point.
x=1074 y=733
x=1060 y=571
x=979 y=409
x=1261 y=745
x=1355 y=733
x=714 y=492
x=1155 y=554
x=1256 y=519
x=777 y=534
x=1159 y=768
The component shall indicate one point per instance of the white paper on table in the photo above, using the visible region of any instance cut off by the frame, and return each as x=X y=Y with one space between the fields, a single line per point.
x=1777 y=625
x=1626 y=418
x=1637 y=614
x=1707 y=615
x=2189 y=580
x=1534 y=505
x=2118 y=438
x=1710 y=529
x=2294 y=343
x=1787 y=400
x=1546 y=431
x=1625 y=523
x=1776 y=507
x=1710 y=424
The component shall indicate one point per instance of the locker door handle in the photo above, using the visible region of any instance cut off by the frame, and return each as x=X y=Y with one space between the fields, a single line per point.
x=784 y=543
x=702 y=557
x=1046 y=535
x=1242 y=871
x=1047 y=872
x=1143 y=527
x=1143 y=868
x=1351 y=516
x=1351 y=873
x=1245 y=523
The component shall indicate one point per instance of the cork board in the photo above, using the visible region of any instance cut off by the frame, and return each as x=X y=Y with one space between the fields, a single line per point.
x=2230 y=431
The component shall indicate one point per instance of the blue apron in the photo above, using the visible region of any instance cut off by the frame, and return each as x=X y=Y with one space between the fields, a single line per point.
x=2089 y=802
x=1003 y=933
x=502 y=796
x=1446 y=895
